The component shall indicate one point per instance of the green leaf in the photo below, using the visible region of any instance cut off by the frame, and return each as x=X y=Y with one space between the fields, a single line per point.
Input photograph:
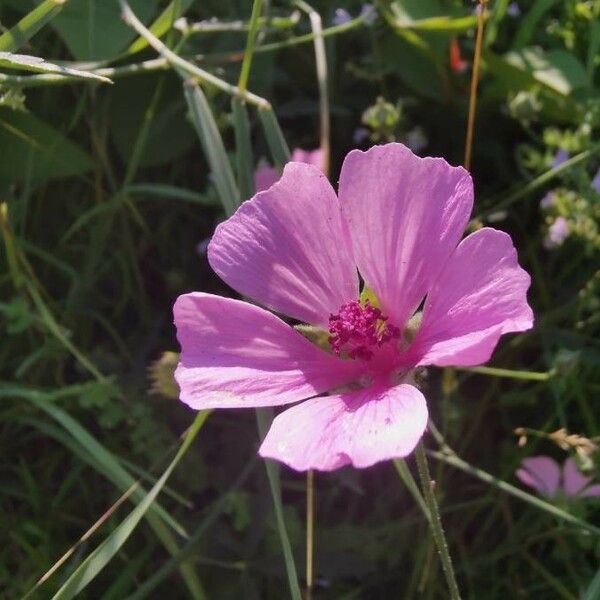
x=243 y=148
x=93 y=29
x=264 y=418
x=556 y=69
x=38 y=152
x=162 y=24
x=530 y=21
x=593 y=591
x=280 y=151
x=428 y=15
x=212 y=144
x=35 y=64
x=18 y=35
x=104 y=553
x=173 y=192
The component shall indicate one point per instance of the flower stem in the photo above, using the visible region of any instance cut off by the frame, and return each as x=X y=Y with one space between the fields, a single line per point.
x=310 y=522
x=435 y=521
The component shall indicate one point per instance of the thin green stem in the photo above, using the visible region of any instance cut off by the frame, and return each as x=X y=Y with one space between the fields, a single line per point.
x=182 y=65
x=247 y=62
x=509 y=373
x=436 y=522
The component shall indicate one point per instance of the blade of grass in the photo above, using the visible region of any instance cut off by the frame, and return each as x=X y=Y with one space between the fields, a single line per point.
x=593 y=591
x=321 y=65
x=212 y=144
x=453 y=460
x=280 y=151
x=250 y=40
x=103 y=554
x=243 y=148
x=165 y=570
x=18 y=35
x=411 y=485
x=162 y=23
x=184 y=66
x=264 y=417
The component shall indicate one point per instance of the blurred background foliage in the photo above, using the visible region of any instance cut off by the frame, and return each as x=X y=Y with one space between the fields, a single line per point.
x=109 y=193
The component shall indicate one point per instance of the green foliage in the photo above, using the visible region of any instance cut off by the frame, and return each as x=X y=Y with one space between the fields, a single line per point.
x=108 y=195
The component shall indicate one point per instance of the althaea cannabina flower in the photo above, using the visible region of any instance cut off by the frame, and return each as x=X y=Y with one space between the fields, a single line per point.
x=544 y=475
x=297 y=249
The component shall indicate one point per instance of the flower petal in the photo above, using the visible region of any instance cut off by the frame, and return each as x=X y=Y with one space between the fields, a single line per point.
x=264 y=177
x=288 y=248
x=359 y=428
x=573 y=480
x=235 y=354
x=480 y=295
x=406 y=215
x=541 y=473
x=590 y=492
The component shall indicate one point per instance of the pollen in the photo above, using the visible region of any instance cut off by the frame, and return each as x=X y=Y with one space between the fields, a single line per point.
x=358 y=330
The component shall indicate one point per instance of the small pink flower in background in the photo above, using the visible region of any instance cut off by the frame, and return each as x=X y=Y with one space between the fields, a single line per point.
x=558 y=232
x=562 y=156
x=545 y=475
x=266 y=175
x=297 y=249
x=596 y=181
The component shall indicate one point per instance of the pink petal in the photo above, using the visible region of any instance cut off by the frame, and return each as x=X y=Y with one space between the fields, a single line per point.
x=235 y=354
x=288 y=248
x=359 y=428
x=406 y=216
x=310 y=157
x=480 y=295
x=592 y=491
x=540 y=473
x=264 y=177
x=573 y=480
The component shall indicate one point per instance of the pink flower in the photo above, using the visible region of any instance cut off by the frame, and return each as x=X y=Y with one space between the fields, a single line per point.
x=544 y=475
x=266 y=175
x=296 y=249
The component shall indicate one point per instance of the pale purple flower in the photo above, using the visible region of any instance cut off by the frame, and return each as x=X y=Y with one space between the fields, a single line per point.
x=341 y=16
x=297 y=249
x=560 y=157
x=266 y=175
x=545 y=475
x=558 y=232
x=368 y=13
x=596 y=181
x=548 y=200
x=416 y=140
x=513 y=10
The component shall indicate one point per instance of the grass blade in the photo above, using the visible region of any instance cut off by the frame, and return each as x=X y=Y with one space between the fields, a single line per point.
x=212 y=144
x=162 y=24
x=243 y=148
x=18 y=35
x=25 y=62
x=102 y=555
x=277 y=144
x=264 y=417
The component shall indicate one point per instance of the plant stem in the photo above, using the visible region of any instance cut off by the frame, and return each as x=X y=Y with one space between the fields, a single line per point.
x=245 y=72
x=310 y=523
x=435 y=522
x=474 y=82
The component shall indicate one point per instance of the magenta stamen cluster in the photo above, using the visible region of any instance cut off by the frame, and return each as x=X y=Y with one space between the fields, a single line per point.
x=357 y=329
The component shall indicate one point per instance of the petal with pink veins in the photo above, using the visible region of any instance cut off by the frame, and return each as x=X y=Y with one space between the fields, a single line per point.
x=235 y=354
x=359 y=428
x=541 y=473
x=310 y=157
x=406 y=215
x=288 y=248
x=480 y=295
